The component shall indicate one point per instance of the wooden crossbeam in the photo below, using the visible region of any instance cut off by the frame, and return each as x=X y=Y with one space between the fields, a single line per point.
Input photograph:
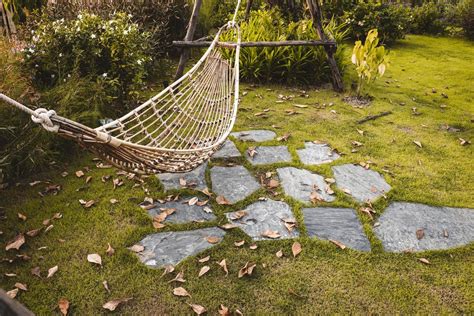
x=190 y=44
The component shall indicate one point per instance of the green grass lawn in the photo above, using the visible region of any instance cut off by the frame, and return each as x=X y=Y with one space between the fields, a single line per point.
x=323 y=278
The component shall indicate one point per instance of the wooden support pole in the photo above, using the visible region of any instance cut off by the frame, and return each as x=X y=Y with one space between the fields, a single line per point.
x=254 y=44
x=189 y=37
x=247 y=9
x=317 y=17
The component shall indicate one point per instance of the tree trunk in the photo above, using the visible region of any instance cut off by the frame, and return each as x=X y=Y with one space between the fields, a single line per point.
x=189 y=37
x=247 y=9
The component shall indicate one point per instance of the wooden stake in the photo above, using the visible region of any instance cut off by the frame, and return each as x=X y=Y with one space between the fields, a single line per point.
x=247 y=9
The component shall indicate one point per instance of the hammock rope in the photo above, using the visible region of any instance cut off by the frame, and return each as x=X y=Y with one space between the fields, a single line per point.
x=176 y=130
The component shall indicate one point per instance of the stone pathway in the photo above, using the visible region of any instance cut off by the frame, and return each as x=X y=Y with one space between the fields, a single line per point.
x=228 y=151
x=339 y=224
x=316 y=154
x=254 y=136
x=194 y=179
x=300 y=183
x=263 y=217
x=184 y=213
x=401 y=227
x=170 y=248
x=233 y=183
x=416 y=227
x=362 y=184
x=269 y=154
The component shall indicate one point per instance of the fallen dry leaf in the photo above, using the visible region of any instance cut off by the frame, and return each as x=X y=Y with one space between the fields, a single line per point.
x=180 y=291
x=168 y=269
x=247 y=269
x=106 y=286
x=296 y=248
x=21 y=286
x=79 y=173
x=94 y=258
x=203 y=271
x=239 y=243
x=279 y=253
x=63 y=305
x=12 y=293
x=223 y=265
x=34 y=232
x=16 y=243
x=110 y=251
x=193 y=201
x=52 y=271
x=198 y=309
x=36 y=271
x=223 y=311
x=424 y=260
x=420 y=233
x=271 y=234
x=253 y=246
x=418 y=143
x=273 y=183
x=228 y=226
x=222 y=200
x=238 y=215
x=137 y=248
x=178 y=278
x=338 y=243
x=112 y=305
x=213 y=239
x=205 y=259
x=88 y=179
x=22 y=216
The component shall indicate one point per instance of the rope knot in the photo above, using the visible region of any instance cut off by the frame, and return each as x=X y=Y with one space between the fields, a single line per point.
x=44 y=118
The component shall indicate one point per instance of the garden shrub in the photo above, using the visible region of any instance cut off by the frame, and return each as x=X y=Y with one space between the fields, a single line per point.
x=301 y=64
x=466 y=17
x=391 y=20
x=113 y=51
x=429 y=18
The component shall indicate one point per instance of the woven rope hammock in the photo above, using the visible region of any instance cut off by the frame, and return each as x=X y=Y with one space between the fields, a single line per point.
x=176 y=130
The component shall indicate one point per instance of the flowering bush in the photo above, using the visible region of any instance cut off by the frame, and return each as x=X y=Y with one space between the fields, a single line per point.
x=112 y=51
x=391 y=20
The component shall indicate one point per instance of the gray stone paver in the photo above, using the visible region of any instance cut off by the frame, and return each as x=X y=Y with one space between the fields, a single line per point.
x=170 y=248
x=227 y=151
x=254 y=135
x=269 y=155
x=362 y=184
x=339 y=224
x=184 y=213
x=316 y=154
x=442 y=227
x=263 y=216
x=197 y=176
x=233 y=183
x=299 y=183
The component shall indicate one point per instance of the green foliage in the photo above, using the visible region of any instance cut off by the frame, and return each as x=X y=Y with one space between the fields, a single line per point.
x=391 y=20
x=113 y=51
x=429 y=18
x=466 y=17
x=370 y=59
x=300 y=64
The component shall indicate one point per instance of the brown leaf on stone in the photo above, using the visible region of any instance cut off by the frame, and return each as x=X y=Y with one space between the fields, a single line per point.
x=180 y=291
x=160 y=217
x=239 y=243
x=247 y=269
x=193 y=201
x=315 y=197
x=368 y=211
x=222 y=200
x=223 y=265
x=228 y=226
x=113 y=304
x=420 y=233
x=12 y=293
x=330 y=180
x=213 y=239
x=79 y=173
x=271 y=234
x=178 y=278
x=52 y=271
x=63 y=305
x=251 y=151
x=110 y=251
x=158 y=225
x=137 y=248
x=198 y=309
x=203 y=271
x=202 y=203
x=424 y=260
x=207 y=192
x=338 y=243
x=21 y=286
x=238 y=215
x=273 y=184
x=223 y=311
x=182 y=182
x=279 y=253
x=16 y=243
x=36 y=271
x=296 y=248
x=34 y=232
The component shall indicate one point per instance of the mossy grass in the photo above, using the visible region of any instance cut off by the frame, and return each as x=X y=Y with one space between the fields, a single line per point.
x=323 y=278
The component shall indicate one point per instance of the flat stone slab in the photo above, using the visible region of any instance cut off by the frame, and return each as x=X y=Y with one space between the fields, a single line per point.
x=259 y=135
x=299 y=183
x=265 y=216
x=439 y=227
x=171 y=247
x=184 y=213
x=316 y=154
x=197 y=176
x=339 y=224
x=360 y=183
x=269 y=154
x=227 y=151
x=233 y=183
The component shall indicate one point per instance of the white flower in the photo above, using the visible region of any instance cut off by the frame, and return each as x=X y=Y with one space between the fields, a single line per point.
x=36 y=66
x=104 y=75
x=31 y=50
x=60 y=54
x=79 y=16
x=69 y=75
x=139 y=61
x=93 y=36
x=53 y=75
x=130 y=16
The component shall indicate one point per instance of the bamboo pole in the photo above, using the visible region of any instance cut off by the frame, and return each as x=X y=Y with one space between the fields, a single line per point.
x=254 y=44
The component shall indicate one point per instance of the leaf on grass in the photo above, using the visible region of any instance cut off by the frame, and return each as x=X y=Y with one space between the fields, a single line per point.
x=113 y=201
x=301 y=106
x=222 y=200
x=207 y=192
x=88 y=179
x=21 y=286
x=284 y=138
x=223 y=310
x=36 y=271
x=12 y=293
x=271 y=234
x=137 y=248
x=203 y=271
x=253 y=246
x=94 y=258
x=205 y=259
x=228 y=226
x=52 y=271
x=47 y=229
x=22 y=216
x=63 y=305
x=106 y=286
x=180 y=291
x=417 y=143
x=79 y=173
x=110 y=251
x=239 y=243
x=112 y=305
x=247 y=269
x=198 y=309
x=296 y=248
x=273 y=183
x=34 y=232
x=424 y=260
x=464 y=142
x=168 y=269
x=16 y=243
x=178 y=278
x=223 y=265
x=213 y=239
x=338 y=243
x=279 y=253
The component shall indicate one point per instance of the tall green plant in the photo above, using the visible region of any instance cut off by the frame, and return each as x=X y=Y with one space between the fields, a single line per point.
x=370 y=60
